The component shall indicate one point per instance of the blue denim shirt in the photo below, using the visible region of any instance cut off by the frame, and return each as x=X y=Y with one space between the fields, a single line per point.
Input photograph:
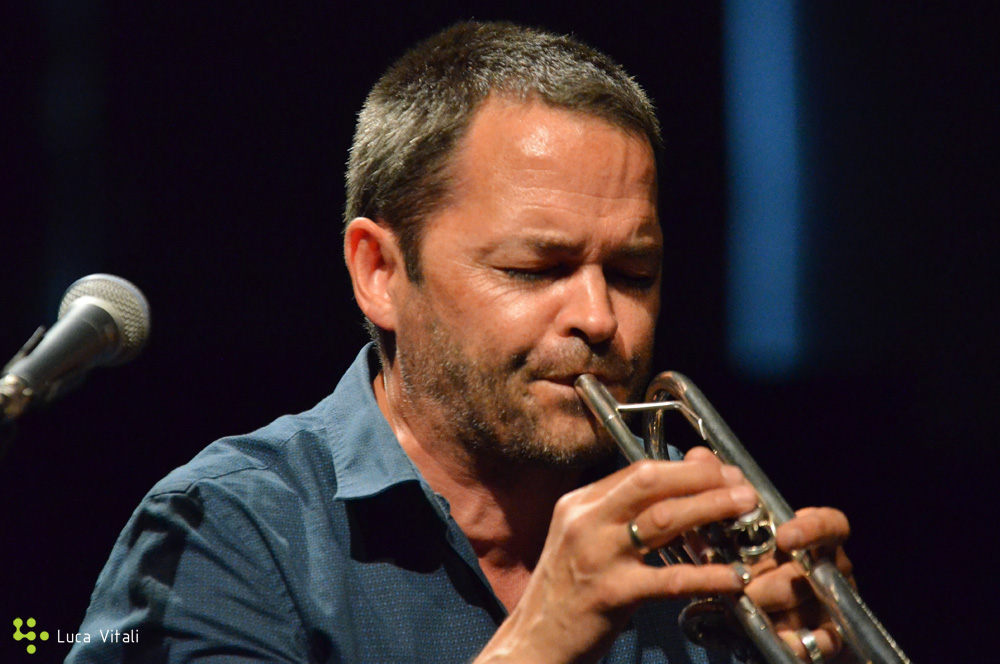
x=313 y=539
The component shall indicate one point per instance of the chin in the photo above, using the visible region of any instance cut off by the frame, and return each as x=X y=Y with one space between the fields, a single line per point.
x=570 y=440
x=578 y=456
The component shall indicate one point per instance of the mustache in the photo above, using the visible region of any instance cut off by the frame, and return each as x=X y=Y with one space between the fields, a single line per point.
x=575 y=359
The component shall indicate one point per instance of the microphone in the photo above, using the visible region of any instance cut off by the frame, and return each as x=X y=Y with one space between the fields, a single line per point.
x=103 y=321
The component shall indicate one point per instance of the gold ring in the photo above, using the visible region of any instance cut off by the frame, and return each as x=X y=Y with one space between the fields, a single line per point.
x=633 y=534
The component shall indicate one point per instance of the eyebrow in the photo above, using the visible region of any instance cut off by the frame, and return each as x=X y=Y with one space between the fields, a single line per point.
x=641 y=248
x=539 y=242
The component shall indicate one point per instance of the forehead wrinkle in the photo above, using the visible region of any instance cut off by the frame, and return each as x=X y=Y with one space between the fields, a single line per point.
x=635 y=213
x=541 y=242
x=557 y=194
x=644 y=197
x=618 y=183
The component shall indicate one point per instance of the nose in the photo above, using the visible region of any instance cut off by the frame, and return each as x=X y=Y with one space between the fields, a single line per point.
x=587 y=311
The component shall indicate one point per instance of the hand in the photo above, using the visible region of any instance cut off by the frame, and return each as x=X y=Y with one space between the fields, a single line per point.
x=590 y=577
x=781 y=589
x=779 y=586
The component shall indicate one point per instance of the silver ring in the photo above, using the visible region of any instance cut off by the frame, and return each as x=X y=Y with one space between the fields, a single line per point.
x=746 y=576
x=633 y=534
x=811 y=646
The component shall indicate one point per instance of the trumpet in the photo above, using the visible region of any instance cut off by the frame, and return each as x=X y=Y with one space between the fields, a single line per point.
x=739 y=542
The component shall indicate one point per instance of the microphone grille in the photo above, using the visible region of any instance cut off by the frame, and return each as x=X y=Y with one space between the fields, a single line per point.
x=130 y=305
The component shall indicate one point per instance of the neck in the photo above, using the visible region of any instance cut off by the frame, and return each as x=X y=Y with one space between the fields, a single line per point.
x=503 y=507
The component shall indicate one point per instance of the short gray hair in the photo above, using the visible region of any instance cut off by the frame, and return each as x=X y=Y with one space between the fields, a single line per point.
x=418 y=112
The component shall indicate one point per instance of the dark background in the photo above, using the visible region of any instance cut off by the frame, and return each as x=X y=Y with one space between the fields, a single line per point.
x=197 y=149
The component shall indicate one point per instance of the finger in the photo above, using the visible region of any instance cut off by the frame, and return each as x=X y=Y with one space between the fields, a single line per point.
x=844 y=564
x=840 y=561
x=813 y=527
x=785 y=587
x=702 y=454
x=644 y=582
x=665 y=520
x=781 y=589
x=811 y=615
x=826 y=639
x=640 y=485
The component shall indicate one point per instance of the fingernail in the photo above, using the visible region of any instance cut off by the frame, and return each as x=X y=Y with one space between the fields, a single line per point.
x=732 y=474
x=743 y=496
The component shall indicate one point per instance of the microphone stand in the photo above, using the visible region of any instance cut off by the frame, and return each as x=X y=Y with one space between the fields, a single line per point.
x=7 y=420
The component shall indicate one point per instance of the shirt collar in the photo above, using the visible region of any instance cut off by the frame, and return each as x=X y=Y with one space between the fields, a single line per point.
x=368 y=459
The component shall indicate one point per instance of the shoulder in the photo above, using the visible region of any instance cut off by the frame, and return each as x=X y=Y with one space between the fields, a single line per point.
x=269 y=459
x=259 y=493
x=294 y=453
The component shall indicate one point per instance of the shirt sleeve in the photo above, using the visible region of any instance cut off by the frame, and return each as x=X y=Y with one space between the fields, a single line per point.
x=195 y=575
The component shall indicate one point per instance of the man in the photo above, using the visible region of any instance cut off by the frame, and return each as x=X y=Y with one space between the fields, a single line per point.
x=453 y=500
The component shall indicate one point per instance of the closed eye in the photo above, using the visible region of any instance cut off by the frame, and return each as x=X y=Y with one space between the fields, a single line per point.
x=628 y=280
x=537 y=274
x=632 y=280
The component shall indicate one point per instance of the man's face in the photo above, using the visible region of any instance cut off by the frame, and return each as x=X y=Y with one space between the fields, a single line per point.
x=545 y=264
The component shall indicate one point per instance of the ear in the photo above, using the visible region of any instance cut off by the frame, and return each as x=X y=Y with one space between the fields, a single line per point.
x=375 y=263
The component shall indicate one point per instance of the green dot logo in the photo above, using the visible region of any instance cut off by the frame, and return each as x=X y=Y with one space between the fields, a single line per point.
x=18 y=634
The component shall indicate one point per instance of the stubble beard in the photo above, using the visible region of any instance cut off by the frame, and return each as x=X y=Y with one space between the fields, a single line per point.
x=487 y=407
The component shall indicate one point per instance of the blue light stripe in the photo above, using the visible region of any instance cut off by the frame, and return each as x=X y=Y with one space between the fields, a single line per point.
x=764 y=326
